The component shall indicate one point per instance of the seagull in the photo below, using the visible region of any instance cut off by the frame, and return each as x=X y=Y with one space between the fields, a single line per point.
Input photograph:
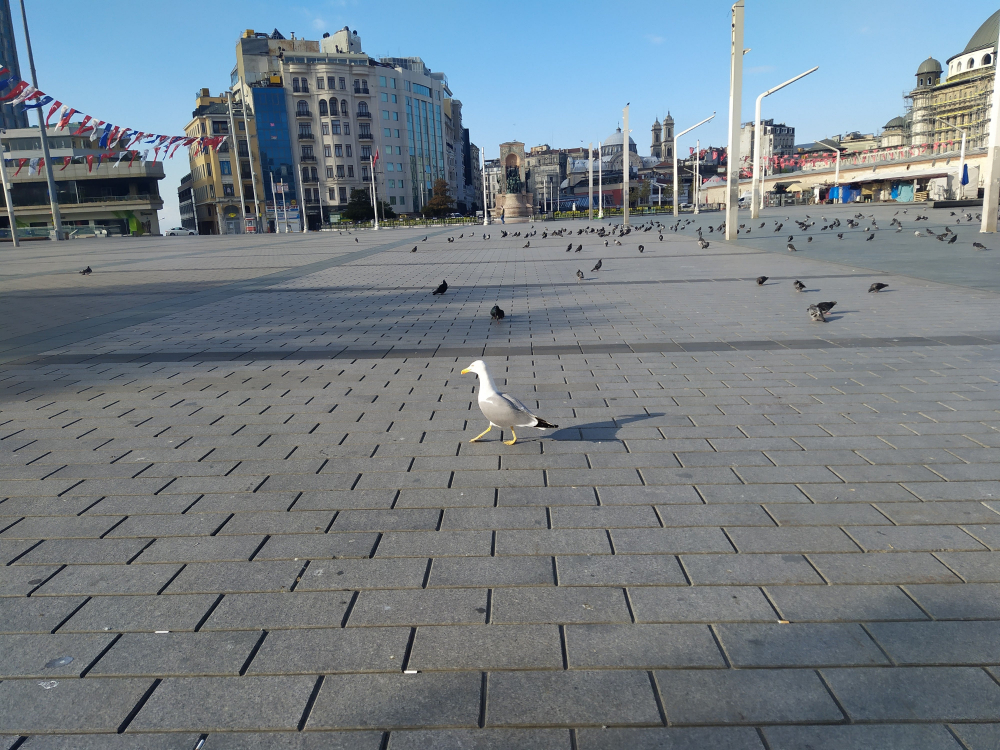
x=86 y=271
x=503 y=410
x=877 y=287
x=579 y=275
x=791 y=247
x=799 y=286
x=597 y=267
x=979 y=245
x=816 y=314
x=442 y=288
x=496 y=313
x=761 y=280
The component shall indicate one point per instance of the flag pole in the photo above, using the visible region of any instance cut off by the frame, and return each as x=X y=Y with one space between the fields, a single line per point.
x=6 y=193
x=371 y=160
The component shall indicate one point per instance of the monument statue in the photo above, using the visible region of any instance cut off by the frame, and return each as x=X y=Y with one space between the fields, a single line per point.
x=513 y=204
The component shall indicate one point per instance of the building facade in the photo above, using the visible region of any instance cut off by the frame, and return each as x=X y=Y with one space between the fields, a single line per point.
x=777 y=139
x=662 y=139
x=494 y=174
x=9 y=117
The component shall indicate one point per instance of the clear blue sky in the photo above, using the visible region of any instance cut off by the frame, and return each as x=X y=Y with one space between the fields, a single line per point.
x=539 y=72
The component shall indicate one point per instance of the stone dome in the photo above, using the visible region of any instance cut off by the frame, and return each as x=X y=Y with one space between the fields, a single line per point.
x=616 y=139
x=930 y=65
x=986 y=35
x=895 y=122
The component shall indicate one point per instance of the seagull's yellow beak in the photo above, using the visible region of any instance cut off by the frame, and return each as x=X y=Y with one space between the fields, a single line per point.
x=466 y=371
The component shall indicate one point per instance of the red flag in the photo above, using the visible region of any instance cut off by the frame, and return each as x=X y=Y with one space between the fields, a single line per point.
x=90 y=162
x=375 y=159
x=67 y=160
x=134 y=154
x=83 y=126
x=156 y=153
x=52 y=110
x=14 y=92
x=64 y=118
x=20 y=166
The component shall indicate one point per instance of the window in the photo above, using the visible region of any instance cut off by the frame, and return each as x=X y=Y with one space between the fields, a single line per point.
x=340 y=171
x=400 y=186
x=364 y=173
x=326 y=152
x=323 y=112
x=305 y=130
x=338 y=150
x=366 y=152
x=385 y=114
x=329 y=173
x=335 y=127
x=406 y=85
x=395 y=116
x=388 y=166
x=295 y=85
x=305 y=86
x=344 y=111
x=228 y=189
x=220 y=126
x=392 y=199
x=987 y=59
x=331 y=82
x=396 y=135
x=392 y=84
x=211 y=190
x=402 y=198
x=387 y=132
x=208 y=169
x=971 y=64
x=320 y=83
x=392 y=183
x=326 y=128
x=243 y=126
x=394 y=100
x=348 y=153
x=350 y=170
x=363 y=109
x=399 y=165
x=315 y=178
x=307 y=152
x=343 y=83
x=333 y=195
x=343 y=190
x=225 y=167
x=302 y=107
x=347 y=129
x=381 y=82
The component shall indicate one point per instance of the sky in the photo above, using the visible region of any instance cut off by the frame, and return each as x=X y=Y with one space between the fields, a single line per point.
x=553 y=72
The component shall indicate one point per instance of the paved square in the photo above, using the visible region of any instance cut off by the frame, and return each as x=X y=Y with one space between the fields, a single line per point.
x=238 y=497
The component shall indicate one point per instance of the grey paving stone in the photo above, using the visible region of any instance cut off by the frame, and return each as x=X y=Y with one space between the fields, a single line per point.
x=827 y=514
x=671 y=541
x=619 y=570
x=345 y=499
x=978 y=736
x=558 y=605
x=86 y=551
x=422 y=607
x=509 y=497
x=672 y=738
x=492 y=571
x=915 y=693
x=169 y=741
x=294 y=741
x=862 y=737
x=339 y=575
x=969 y=601
x=955 y=490
x=330 y=650
x=298 y=609
x=974 y=567
x=435 y=544
x=940 y=513
x=760 y=696
x=12 y=549
x=571 y=698
x=397 y=701
x=913 y=538
x=103 y=580
x=553 y=542
x=199 y=549
x=145 y=614
x=899 y=567
x=225 y=704
x=235 y=577
x=45 y=656
x=874 y=492
x=486 y=647
x=641 y=646
x=144 y=527
x=752 y=493
x=798 y=645
x=843 y=603
x=494 y=518
x=63 y=527
x=480 y=739
x=176 y=654
x=36 y=615
x=481 y=497
x=71 y=705
x=939 y=643
x=303 y=522
x=667 y=495
x=987 y=535
x=387 y=520
x=745 y=569
x=801 y=539
x=737 y=514
x=700 y=604
x=605 y=517
x=318 y=546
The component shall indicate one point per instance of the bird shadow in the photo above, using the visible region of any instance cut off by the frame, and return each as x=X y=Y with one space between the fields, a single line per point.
x=593 y=432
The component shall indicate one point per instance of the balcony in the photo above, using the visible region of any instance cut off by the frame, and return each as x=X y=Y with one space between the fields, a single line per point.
x=361 y=91
x=307 y=159
x=310 y=179
x=303 y=113
x=365 y=136
x=307 y=137
x=366 y=114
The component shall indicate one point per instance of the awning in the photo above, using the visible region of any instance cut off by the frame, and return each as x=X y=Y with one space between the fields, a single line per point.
x=890 y=175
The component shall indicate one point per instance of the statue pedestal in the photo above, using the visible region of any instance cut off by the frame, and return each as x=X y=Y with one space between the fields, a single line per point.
x=515 y=207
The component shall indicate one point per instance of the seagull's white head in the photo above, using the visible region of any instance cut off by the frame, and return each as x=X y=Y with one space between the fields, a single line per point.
x=478 y=367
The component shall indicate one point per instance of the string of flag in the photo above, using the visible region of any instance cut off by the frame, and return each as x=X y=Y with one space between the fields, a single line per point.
x=106 y=134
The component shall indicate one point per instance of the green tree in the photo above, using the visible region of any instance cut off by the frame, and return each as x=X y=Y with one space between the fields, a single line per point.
x=441 y=202
x=644 y=192
x=359 y=207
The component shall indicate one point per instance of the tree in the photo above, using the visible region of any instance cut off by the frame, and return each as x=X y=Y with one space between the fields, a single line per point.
x=644 y=192
x=359 y=207
x=441 y=202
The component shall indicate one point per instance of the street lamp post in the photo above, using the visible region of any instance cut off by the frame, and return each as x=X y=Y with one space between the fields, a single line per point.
x=736 y=53
x=991 y=181
x=756 y=194
x=590 y=181
x=697 y=173
x=625 y=167
x=6 y=193
x=676 y=181
x=486 y=214
x=600 y=180
x=961 y=157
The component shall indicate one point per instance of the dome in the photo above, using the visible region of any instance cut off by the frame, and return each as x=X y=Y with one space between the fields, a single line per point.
x=895 y=122
x=986 y=35
x=615 y=139
x=930 y=65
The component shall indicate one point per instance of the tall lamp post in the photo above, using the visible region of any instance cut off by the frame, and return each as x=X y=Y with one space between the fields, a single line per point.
x=991 y=180
x=53 y=196
x=961 y=157
x=600 y=180
x=590 y=181
x=626 y=167
x=676 y=181
x=756 y=194
x=736 y=53
x=486 y=212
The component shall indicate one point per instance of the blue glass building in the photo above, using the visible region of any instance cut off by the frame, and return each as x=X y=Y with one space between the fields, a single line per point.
x=274 y=142
x=9 y=119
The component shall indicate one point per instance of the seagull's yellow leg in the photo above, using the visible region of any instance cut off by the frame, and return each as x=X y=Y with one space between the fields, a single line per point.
x=476 y=438
x=513 y=440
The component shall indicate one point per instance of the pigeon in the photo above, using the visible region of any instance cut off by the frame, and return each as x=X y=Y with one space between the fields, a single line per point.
x=461 y=235
x=355 y=239
x=816 y=314
x=414 y=249
x=917 y=234
x=703 y=244
x=877 y=287
x=661 y=236
x=979 y=245
x=643 y=249
x=825 y=307
x=840 y=235
x=799 y=286
x=605 y=243
x=791 y=247
x=496 y=313
x=579 y=275
x=790 y=238
x=569 y=247
x=424 y=239
x=442 y=288
x=900 y=229
x=527 y=244
x=870 y=237
x=597 y=267
x=502 y=409
x=761 y=280
x=954 y=237
x=809 y=239
x=618 y=243
x=86 y=271
x=761 y=225
x=579 y=248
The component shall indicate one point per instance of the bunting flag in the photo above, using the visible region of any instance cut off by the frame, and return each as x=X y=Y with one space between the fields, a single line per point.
x=67 y=160
x=52 y=110
x=83 y=126
x=33 y=166
x=23 y=96
x=40 y=102
x=14 y=92
x=64 y=118
x=90 y=162
x=20 y=166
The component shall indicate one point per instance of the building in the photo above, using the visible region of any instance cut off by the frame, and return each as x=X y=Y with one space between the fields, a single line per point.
x=493 y=176
x=545 y=170
x=476 y=176
x=777 y=140
x=95 y=193
x=222 y=187
x=9 y=117
x=662 y=139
